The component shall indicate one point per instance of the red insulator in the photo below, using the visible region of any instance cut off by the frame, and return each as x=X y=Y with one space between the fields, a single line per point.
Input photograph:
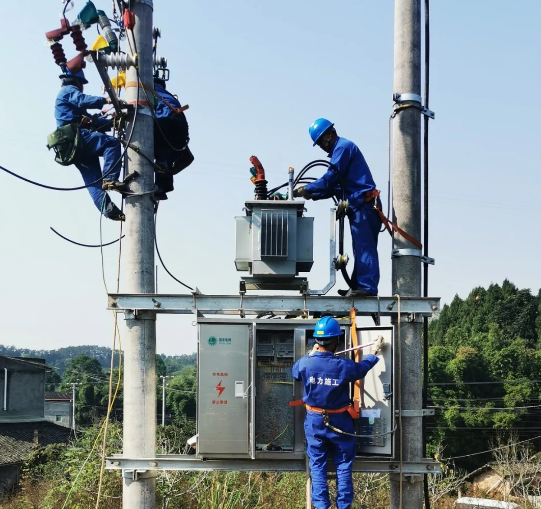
x=58 y=53
x=78 y=38
x=56 y=35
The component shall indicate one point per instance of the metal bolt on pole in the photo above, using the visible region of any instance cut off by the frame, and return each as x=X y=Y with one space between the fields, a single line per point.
x=139 y=490
x=406 y=277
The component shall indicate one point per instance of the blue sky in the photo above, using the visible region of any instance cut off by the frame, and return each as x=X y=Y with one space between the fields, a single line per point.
x=256 y=74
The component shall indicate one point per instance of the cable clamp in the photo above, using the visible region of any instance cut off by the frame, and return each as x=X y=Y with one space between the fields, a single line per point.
x=401 y=98
x=135 y=475
x=415 y=413
x=397 y=253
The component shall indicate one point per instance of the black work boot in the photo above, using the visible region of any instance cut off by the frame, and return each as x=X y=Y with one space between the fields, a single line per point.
x=352 y=293
x=114 y=214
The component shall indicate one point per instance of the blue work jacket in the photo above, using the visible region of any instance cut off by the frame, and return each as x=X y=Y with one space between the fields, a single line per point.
x=354 y=172
x=162 y=110
x=71 y=104
x=326 y=378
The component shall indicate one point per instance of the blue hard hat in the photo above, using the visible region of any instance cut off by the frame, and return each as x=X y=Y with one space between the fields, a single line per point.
x=326 y=329
x=318 y=128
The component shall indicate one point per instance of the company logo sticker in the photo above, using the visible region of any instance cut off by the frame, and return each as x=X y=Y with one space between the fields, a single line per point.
x=212 y=341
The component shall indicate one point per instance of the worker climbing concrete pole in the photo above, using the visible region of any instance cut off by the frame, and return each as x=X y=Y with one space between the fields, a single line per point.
x=406 y=275
x=140 y=337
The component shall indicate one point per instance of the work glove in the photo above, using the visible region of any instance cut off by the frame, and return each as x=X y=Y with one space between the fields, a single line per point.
x=342 y=209
x=301 y=192
x=314 y=350
x=379 y=344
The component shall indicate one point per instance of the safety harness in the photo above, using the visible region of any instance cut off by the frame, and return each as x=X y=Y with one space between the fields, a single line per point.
x=373 y=196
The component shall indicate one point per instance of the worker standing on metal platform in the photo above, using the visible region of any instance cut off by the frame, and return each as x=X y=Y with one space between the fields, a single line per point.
x=349 y=168
x=326 y=380
x=71 y=109
x=171 y=138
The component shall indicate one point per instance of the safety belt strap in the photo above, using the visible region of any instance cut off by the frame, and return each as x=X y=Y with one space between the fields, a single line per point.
x=357 y=387
x=373 y=195
x=321 y=410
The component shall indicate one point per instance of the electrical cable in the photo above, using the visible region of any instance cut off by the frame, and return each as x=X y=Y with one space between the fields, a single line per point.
x=116 y=330
x=399 y=399
x=95 y=441
x=54 y=188
x=86 y=245
x=425 y=242
x=160 y=256
x=491 y=450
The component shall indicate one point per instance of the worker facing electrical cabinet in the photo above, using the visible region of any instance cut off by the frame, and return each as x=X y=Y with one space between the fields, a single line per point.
x=79 y=140
x=329 y=423
x=350 y=181
x=246 y=387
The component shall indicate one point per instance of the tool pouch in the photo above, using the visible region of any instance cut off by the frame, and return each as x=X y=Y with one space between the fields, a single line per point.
x=67 y=143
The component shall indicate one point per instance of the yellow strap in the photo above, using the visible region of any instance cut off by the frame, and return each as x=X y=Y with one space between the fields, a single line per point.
x=358 y=386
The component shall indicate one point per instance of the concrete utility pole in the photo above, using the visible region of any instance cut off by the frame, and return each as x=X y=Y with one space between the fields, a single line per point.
x=406 y=268
x=164 y=382
x=139 y=439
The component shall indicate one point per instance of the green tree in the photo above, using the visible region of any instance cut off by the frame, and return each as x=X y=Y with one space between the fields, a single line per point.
x=181 y=394
x=52 y=380
x=88 y=374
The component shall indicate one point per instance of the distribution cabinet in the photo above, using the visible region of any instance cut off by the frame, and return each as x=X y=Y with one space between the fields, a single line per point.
x=245 y=386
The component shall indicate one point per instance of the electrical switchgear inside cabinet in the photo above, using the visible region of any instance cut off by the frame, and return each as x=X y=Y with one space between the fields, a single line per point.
x=247 y=363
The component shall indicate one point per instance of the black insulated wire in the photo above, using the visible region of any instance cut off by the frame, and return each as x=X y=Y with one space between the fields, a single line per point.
x=160 y=257
x=425 y=240
x=86 y=245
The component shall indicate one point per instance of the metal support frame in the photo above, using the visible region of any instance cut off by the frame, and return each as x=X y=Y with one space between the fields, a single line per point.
x=187 y=462
x=296 y=305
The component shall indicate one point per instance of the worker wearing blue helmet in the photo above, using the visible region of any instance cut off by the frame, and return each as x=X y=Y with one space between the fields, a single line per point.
x=71 y=108
x=326 y=380
x=349 y=167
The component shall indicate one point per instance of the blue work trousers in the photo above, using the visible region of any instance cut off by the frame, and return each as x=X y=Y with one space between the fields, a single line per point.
x=96 y=145
x=322 y=441
x=365 y=225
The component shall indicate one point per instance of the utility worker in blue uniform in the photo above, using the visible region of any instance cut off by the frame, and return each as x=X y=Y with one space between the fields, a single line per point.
x=349 y=167
x=71 y=108
x=171 y=138
x=326 y=380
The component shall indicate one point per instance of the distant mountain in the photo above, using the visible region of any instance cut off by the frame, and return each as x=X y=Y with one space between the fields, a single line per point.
x=59 y=358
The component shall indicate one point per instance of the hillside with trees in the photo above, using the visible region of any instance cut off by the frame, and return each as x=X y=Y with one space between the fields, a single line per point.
x=485 y=371
x=60 y=357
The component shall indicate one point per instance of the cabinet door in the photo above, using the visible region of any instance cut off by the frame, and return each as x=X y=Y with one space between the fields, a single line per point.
x=223 y=390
